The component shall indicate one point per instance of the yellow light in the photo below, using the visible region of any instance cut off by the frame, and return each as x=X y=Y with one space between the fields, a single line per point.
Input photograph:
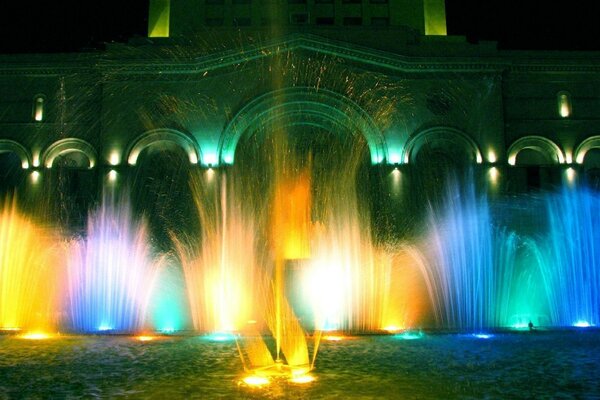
x=112 y=175
x=35 y=336
x=302 y=379
x=25 y=164
x=580 y=157
x=564 y=104
x=210 y=173
x=36 y=160
x=492 y=156
x=569 y=157
x=193 y=158
x=144 y=338
x=159 y=18
x=334 y=338
x=493 y=174
x=35 y=176
x=39 y=109
x=392 y=328
x=512 y=159
x=255 y=380
x=114 y=158
x=479 y=158
x=570 y=174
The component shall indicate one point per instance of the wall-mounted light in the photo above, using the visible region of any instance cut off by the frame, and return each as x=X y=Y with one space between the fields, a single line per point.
x=493 y=175
x=564 y=104
x=571 y=174
x=114 y=158
x=492 y=156
x=112 y=175
x=35 y=176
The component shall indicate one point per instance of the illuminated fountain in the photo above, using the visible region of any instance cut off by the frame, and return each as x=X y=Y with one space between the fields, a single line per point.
x=30 y=277
x=471 y=263
x=111 y=272
x=571 y=270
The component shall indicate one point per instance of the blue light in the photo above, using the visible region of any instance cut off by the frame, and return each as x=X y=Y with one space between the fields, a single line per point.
x=409 y=335
x=482 y=335
x=221 y=337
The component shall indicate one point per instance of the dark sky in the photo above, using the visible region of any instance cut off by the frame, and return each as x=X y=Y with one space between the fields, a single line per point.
x=70 y=25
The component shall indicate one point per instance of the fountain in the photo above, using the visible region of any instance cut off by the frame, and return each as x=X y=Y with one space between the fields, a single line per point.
x=30 y=276
x=571 y=268
x=111 y=272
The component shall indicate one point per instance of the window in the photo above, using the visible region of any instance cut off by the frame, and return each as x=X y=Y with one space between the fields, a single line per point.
x=299 y=18
x=324 y=21
x=242 y=21
x=380 y=21
x=564 y=104
x=352 y=21
x=214 y=21
x=38 y=108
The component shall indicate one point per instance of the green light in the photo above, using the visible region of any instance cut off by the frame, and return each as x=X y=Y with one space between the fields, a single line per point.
x=158 y=18
x=409 y=335
x=435 y=17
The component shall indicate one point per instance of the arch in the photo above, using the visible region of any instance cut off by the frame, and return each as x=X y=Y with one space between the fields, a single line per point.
x=10 y=146
x=588 y=144
x=158 y=136
x=537 y=143
x=66 y=146
x=303 y=106
x=440 y=135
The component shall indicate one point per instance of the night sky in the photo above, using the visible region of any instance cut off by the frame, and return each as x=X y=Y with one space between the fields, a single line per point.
x=68 y=26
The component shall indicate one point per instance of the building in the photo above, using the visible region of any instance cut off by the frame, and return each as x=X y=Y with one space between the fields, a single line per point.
x=213 y=71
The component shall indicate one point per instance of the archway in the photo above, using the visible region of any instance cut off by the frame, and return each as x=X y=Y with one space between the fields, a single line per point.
x=164 y=137
x=303 y=106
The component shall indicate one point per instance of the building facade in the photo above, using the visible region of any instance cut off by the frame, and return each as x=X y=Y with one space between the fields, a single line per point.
x=214 y=71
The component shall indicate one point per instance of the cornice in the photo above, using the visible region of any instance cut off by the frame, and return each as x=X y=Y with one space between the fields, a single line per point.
x=113 y=66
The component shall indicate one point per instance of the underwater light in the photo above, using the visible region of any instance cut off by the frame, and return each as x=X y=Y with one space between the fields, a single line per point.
x=582 y=324
x=35 y=336
x=104 y=328
x=144 y=338
x=167 y=330
x=221 y=337
x=10 y=329
x=392 y=328
x=334 y=338
x=482 y=335
x=520 y=325
x=254 y=380
x=301 y=379
x=408 y=335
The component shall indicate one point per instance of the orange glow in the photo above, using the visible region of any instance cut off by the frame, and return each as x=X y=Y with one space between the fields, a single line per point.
x=292 y=216
x=392 y=328
x=405 y=308
x=334 y=338
x=29 y=273
x=302 y=379
x=144 y=338
x=36 y=336
x=255 y=380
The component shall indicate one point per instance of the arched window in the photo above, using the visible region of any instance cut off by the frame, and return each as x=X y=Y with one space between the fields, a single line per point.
x=38 y=107
x=563 y=100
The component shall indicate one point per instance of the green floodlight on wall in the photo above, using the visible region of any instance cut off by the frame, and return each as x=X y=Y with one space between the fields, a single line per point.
x=435 y=17
x=159 y=18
